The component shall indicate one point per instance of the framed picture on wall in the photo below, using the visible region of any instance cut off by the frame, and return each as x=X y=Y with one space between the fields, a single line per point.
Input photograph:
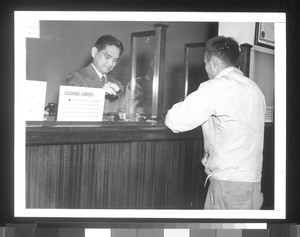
x=264 y=34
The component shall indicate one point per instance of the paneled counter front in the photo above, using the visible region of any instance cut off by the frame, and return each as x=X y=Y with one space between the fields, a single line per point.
x=122 y=165
x=113 y=165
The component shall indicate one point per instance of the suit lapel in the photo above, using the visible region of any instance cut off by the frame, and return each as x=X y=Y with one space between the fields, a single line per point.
x=94 y=76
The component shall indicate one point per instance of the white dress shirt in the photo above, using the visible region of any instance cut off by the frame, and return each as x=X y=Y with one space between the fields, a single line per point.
x=231 y=109
x=99 y=73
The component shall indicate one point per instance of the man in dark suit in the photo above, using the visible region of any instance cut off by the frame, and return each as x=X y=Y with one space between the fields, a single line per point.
x=106 y=54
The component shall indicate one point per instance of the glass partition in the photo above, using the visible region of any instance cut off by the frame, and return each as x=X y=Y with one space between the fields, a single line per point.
x=147 y=72
x=141 y=83
x=194 y=67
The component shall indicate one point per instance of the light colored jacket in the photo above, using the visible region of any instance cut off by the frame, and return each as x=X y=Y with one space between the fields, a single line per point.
x=231 y=109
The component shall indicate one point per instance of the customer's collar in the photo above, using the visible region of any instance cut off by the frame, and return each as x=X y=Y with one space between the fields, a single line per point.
x=226 y=71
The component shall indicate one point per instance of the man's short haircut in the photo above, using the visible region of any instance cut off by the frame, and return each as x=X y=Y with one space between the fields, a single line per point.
x=105 y=40
x=224 y=48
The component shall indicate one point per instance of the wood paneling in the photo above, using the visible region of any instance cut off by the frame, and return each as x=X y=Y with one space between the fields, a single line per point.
x=124 y=167
x=139 y=174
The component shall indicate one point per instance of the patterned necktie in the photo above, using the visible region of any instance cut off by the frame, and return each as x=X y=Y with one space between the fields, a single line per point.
x=102 y=79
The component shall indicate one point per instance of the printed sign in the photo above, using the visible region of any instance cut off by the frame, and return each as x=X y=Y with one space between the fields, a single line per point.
x=269 y=117
x=80 y=103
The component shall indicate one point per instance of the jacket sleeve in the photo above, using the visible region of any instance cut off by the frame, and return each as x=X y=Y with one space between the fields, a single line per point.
x=74 y=79
x=194 y=110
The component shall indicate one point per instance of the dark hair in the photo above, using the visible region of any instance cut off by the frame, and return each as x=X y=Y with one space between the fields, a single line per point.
x=105 y=40
x=224 y=48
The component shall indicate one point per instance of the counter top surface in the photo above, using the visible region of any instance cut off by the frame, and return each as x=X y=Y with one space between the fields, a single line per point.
x=51 y=132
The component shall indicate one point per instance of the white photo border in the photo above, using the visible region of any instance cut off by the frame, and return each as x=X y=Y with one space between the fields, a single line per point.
x=279 y=19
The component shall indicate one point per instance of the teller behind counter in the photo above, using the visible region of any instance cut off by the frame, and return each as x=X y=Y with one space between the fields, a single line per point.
x=106 y=53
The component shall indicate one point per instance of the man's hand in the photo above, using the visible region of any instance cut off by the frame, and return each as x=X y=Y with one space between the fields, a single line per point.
x=111 y=88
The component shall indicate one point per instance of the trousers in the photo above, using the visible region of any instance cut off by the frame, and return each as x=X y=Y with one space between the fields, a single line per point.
x=231 y=195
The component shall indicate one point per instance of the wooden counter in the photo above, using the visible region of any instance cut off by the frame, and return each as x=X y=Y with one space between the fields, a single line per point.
x=113 y=165
x=50 y=132
x=128 y=165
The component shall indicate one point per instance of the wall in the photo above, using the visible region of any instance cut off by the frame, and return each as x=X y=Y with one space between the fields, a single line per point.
x=64 y=46
x=262 y=60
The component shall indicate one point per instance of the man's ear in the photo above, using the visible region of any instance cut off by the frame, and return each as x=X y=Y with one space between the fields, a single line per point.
x=94 y=51
x=216 y=61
